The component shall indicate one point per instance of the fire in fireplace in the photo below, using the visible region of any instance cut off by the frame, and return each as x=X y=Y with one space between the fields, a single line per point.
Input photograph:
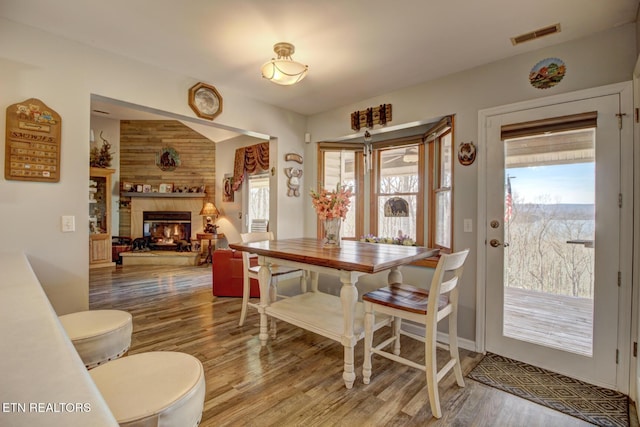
x=166 y=228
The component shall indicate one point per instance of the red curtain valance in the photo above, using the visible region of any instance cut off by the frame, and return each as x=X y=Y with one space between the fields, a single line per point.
x=250 y=160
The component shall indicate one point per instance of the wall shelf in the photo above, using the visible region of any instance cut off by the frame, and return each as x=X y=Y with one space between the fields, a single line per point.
x=165 y=195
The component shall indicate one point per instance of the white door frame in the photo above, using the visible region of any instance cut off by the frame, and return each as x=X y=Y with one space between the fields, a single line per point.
x=626 y=220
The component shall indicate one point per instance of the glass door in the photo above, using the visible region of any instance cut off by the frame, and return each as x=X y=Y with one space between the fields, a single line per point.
x=553 y=238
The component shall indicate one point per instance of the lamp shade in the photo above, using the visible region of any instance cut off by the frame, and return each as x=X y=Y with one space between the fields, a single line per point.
x=209 y=209
x=284 y=70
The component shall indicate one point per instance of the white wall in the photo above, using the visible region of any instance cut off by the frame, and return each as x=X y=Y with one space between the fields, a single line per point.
x=64 y=75
x=602 y=59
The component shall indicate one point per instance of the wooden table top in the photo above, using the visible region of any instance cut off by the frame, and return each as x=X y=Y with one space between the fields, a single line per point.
x=351 y=256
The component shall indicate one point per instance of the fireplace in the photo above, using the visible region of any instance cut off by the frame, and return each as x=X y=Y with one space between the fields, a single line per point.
x=166 y=228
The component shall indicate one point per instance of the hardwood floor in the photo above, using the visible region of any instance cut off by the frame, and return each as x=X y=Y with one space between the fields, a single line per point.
x=297 y=378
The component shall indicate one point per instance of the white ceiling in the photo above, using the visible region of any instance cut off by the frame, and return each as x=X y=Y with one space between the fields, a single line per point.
x=355 y=49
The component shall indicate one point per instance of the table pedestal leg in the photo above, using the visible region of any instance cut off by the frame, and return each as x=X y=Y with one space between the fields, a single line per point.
x=348 y=297
x=264 y=279
x=395 y=276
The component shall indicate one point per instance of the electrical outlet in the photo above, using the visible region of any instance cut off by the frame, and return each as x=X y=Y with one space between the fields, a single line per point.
x=68 y=223
x=468 y=225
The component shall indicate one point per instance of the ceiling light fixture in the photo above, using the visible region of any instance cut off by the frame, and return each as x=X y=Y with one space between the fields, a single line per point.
x=284 y=70
x=410 y=155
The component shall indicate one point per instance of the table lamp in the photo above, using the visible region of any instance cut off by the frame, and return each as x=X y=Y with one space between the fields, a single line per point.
x=209 y=210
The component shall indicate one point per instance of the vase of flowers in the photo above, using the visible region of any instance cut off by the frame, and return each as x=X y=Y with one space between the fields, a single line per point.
x=332 y=207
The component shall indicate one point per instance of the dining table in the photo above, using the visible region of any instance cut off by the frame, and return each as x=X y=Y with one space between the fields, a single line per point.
x=340 y=318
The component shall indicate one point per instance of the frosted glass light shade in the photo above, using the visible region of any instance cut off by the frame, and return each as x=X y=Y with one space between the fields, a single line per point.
x=284 y=70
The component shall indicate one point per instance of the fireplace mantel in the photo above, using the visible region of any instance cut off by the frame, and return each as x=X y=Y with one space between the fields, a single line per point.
x=165 y=195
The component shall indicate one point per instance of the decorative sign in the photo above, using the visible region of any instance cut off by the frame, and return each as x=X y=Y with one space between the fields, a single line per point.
x=32 y=142
x=293 y=157
x=167 y=159
x=379 y=115
x=547 y=73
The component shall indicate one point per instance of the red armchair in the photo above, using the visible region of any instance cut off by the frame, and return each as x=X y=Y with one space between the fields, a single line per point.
x=228 y=273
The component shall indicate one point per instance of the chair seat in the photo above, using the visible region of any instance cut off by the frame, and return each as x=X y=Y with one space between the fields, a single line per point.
x=276 y=270
x=161 y=388
x=404 y=297
x=98 y=335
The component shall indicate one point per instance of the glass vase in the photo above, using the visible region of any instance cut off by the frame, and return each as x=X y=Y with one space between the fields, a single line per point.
x=332 y=235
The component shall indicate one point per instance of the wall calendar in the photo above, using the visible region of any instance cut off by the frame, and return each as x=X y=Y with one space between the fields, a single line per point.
x=32 y=145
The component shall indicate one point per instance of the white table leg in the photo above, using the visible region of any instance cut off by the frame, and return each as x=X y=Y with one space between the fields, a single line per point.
x=264 y=279
x=314 y=280
x=395 y=276
x=348 y=297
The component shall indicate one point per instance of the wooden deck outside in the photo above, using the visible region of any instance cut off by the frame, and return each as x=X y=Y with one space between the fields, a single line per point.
x=556 y=321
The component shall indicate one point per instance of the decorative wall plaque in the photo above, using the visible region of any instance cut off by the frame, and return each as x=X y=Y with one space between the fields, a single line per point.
x=205 y=101
x=547 y=73
x=32 y=145
x=167 y=159
x=466 y=153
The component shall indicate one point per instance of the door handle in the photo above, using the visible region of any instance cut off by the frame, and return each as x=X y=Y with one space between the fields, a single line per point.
x=495 y=243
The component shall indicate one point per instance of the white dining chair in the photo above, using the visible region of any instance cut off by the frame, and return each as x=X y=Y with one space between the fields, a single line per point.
x=278 y=273
x=426 y=307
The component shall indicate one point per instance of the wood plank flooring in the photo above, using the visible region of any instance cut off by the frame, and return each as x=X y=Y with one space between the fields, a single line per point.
x=296 y=380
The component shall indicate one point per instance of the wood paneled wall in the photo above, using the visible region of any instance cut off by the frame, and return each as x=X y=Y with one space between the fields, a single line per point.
x=142 y=140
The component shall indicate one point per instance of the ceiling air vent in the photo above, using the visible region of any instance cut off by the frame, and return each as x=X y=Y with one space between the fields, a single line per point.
x=552 y=29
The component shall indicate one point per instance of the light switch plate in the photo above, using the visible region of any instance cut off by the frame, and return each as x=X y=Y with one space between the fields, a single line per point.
x=468 y=225
x=68 y=223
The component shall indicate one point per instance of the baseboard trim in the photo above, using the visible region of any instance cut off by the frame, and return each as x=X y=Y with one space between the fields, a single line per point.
x=442 y=337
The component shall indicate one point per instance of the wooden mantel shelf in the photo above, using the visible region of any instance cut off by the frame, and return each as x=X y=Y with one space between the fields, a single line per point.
x=165 y=195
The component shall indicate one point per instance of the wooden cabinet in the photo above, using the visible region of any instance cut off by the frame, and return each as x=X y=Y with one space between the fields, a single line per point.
x=100 y=217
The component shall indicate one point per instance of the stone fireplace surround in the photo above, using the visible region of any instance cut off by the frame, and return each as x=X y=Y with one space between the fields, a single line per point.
x=185 y=202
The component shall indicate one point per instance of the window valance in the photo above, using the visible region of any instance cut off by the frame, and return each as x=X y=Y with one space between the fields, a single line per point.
x=248 y=161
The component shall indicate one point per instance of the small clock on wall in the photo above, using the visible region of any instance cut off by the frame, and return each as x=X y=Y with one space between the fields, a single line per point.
x=205 y=101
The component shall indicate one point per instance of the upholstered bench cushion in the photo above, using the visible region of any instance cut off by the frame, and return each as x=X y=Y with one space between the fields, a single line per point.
x=99 y=335
x=161 y=388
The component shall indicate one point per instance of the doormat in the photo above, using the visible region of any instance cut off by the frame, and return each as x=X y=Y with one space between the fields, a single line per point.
x=588 y=402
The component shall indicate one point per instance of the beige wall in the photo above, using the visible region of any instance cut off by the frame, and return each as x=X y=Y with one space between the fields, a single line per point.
x=64 y=75
x=599 y=60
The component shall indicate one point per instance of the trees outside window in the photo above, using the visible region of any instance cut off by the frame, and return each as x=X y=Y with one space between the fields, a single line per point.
x=413 y=173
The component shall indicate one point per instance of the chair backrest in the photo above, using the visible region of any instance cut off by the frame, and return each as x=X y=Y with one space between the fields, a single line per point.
x=259 y=225
x=259 y=236
x=446 y=277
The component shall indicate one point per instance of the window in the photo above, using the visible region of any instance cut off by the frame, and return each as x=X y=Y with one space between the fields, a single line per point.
x=408 y=191
x=258 y=203
x=339 y=166
x=441 y=188
x=398 y=193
